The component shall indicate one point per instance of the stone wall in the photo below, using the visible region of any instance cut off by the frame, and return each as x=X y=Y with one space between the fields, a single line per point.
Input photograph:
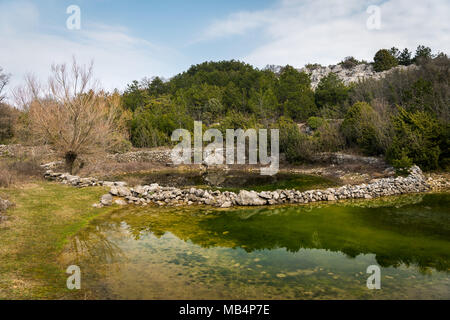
x=172 y=196
x=157 y=156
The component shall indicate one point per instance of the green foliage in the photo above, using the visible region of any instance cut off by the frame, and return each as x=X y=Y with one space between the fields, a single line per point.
x=419 y=137
x=422 y=54
x=295 y=94
x=384 y=60
x=8 y=117
x=295 y=145
x=359 y=128
x=153 y=124
x=419 y=89
x=402 y=164
x=315 y=122
x=232 y=94
x=404 y=58
x=133 y=97
x=350 y=62
x=237 y=120
x=330 y=91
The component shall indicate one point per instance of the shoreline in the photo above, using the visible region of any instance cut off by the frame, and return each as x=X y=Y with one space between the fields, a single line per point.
x=154 y=194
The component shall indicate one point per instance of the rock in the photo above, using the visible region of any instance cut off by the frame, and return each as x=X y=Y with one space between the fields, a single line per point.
x=106 y=199
x=249 y=198
x=226 y=204
x=97 y=205
x=123 y=191
x=331 y=197
x=114 y=191
x=139 y=190
x=120 y=202
x=108 y=183
x=5 y=204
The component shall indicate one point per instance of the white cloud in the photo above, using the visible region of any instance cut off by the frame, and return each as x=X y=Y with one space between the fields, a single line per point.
x=297 y=32
x=118 y=56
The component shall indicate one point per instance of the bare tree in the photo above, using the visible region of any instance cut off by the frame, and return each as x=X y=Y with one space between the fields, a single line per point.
x=71 y=113
x=4 y=79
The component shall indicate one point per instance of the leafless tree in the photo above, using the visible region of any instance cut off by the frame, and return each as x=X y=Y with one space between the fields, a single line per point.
x=70 y=112
x=4 y=79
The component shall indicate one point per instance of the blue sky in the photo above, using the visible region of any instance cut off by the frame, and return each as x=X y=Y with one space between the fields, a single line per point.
x=131 y=39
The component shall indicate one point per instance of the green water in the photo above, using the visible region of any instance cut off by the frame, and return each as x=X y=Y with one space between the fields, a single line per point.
x=296 y=252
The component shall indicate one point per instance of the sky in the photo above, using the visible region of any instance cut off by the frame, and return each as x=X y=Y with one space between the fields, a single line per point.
x=130 y=40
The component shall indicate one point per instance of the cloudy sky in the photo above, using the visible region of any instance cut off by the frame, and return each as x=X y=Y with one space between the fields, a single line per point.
x=134 y=39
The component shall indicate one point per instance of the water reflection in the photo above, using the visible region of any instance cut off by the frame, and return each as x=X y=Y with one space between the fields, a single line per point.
x=276 y=247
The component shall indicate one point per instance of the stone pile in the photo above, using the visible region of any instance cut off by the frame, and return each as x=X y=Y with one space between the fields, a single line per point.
x=76 y=181
x=158 y=156
x=172 y=196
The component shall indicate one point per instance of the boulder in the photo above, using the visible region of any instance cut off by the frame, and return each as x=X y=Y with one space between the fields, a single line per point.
x=120 y=191
x=249 y=198
x=226 y=204
x=106 y=199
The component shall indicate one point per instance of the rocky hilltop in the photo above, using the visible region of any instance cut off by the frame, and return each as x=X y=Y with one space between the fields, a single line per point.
x=348 y=75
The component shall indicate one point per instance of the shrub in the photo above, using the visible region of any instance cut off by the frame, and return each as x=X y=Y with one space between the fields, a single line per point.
x=297 y=147
x=315 y=122
x=360 y=128
x=402 y=164
x=350 y=62
x=329 y=138
x=384 y=60
x=419 y=137
x=330 y=91
x=8 y=118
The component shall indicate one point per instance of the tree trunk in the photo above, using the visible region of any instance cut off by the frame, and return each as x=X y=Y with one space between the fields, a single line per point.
x=70 y=158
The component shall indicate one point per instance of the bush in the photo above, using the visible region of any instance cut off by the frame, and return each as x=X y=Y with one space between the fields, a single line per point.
x=297 y=147
x=419 y=137
x=360 y=128
x=8 y=118
x=330 y=91
x=350 y=62
x=329 y=138
x=384 y=60
x=315 y=122
x=402 y=164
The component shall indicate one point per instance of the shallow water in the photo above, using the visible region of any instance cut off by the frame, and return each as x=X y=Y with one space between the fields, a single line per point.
x=232 y=180
x=294 y=252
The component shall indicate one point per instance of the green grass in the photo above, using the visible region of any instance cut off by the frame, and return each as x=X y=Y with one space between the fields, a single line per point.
x=46 y=215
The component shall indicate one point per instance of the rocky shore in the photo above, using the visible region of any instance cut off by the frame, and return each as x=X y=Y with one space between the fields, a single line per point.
x=155 y=194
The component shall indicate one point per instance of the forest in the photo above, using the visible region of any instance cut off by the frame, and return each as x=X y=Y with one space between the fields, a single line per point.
x=403 y=117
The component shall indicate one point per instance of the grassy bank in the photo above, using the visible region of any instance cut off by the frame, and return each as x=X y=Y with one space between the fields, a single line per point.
x=44 y=218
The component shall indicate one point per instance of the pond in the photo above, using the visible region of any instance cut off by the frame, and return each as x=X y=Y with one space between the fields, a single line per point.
x=293 y=252
x=230 y=180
